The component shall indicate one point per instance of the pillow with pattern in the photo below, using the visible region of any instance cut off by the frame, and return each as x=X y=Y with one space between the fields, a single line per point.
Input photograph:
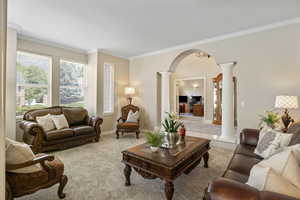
x=271 y=142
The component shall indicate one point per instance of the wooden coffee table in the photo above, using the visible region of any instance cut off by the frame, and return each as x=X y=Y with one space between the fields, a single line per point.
x=166 y=164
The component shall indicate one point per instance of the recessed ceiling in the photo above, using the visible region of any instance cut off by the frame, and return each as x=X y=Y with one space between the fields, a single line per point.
x=134 y=27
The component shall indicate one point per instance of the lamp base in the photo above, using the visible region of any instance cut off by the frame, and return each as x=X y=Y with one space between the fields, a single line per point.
x=286 y=120
x=129 y=100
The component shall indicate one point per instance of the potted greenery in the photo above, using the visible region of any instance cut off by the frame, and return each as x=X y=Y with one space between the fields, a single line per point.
x=270 y=119
x=154 y=139
x=171 y=125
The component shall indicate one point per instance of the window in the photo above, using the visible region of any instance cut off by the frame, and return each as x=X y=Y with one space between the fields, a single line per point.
x=108 y=91
x=32 y=82
x=72 y=83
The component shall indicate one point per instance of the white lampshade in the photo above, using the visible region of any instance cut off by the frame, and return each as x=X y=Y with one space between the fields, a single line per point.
x=129 y=90
x=286 y=102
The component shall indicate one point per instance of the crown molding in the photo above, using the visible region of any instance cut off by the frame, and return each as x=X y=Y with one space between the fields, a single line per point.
x=51 y=44
x=223 y=37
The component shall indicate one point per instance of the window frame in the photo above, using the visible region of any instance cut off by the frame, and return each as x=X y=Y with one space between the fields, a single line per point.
x=49 y=76
x=85 y=83
x=112 y=94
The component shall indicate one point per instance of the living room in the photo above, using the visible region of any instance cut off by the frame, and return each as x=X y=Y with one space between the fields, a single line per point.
x=98 y=114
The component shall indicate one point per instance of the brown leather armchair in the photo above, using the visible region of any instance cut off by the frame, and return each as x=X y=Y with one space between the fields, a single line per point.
x=83 y=129
x=52 y=173
x=231 y=186
x=127 y=127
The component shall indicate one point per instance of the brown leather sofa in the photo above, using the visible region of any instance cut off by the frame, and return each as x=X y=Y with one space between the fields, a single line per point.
x=82 y=129
x=231 y=186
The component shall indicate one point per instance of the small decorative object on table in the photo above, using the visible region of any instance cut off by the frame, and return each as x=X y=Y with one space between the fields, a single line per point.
x=182 y=134
x=154 y=139
x=171 y=125
x=270 y=119
x=286 y=102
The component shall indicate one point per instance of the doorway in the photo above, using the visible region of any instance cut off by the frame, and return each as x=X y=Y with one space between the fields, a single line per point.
x=190 y=97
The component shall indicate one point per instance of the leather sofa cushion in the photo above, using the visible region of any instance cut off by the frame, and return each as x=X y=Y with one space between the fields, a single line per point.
x=247 y=150
x=25 y=182
x=76 y=116
x=32 y=114
x=242 y=164
x=128 y=125
x=59 y=134
x=233 y=175
x=83 y=130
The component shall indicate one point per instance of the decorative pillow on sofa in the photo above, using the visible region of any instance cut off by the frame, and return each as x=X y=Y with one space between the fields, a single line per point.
x=266 y=179
x=271 y=142
x=46 y=122
x=17 y=153
x=60 y=121
x=280 y=173
x=133 y=116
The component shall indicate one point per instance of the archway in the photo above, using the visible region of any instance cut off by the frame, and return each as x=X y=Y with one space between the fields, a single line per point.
x=228 y=130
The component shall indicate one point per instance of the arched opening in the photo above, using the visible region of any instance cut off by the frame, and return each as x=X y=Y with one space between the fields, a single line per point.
x=196 y=64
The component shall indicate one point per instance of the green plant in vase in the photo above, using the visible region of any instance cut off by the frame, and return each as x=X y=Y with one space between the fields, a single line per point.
x=171 y=125
x=155 y=140
x=270 y=119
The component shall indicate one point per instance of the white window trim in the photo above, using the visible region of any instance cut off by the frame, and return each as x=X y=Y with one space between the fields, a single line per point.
x=113 y=92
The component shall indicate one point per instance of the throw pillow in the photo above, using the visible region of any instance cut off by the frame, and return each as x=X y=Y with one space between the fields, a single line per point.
x=45 y=122
x=296 y=150
x=268 y=143
x=266 y=179
x=60 y=121
x=17 y=153
x=271 y=142
x=286 y=165
x=133 y=116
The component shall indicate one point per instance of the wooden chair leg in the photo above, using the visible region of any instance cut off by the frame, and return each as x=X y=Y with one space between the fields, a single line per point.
x=137 y=134
x=117 y=133
x=62 y=183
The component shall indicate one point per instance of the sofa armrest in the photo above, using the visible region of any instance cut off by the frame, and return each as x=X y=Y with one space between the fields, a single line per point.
x=226 y=189
x=31 y=128
x=249 y=137
x=96 y=123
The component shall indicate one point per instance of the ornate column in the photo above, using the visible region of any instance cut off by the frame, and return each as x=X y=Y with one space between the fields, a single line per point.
x=165 y=93
x=228 y=130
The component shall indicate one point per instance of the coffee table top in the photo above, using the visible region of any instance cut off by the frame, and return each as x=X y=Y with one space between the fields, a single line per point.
x=168 y=157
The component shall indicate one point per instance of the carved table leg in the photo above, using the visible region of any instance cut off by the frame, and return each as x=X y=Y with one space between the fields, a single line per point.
x=127 y=172
x=62 y=183
x=169 y=190
x=205 y=158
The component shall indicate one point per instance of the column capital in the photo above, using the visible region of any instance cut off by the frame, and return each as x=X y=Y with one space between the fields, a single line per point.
x=228 y=64
x=166 y=73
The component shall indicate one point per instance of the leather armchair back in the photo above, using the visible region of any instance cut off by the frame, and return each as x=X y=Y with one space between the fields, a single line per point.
x=125 y=110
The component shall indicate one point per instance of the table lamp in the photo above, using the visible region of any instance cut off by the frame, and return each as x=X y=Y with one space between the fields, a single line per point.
x=129 y=91
x=286 y=102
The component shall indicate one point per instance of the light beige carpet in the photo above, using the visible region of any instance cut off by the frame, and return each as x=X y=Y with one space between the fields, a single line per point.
x=95 y=172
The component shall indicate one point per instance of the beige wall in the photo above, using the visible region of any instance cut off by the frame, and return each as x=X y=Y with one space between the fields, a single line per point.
x=11 y=83
x=268 y=65
x=3 y=17
x=121 y=81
